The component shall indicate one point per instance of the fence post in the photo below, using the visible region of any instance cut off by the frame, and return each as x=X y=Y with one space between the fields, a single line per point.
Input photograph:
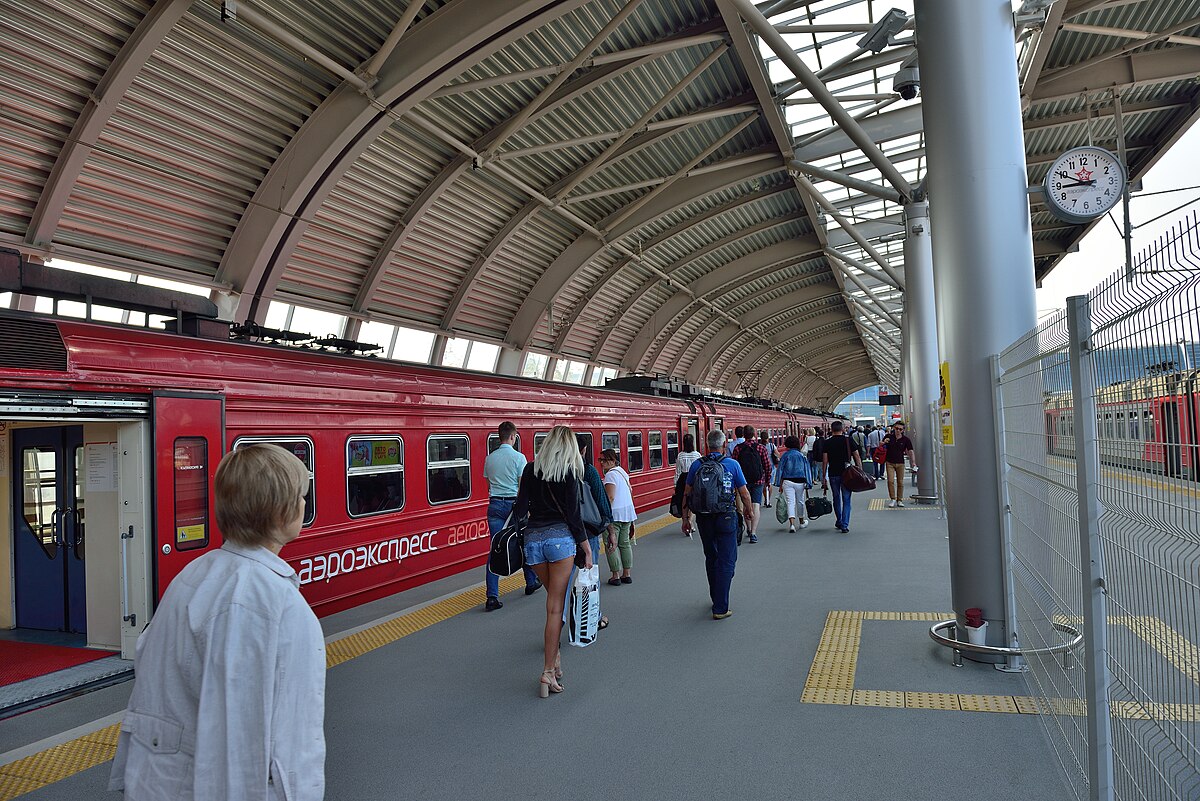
x=1014 y=663
x=1095 y=613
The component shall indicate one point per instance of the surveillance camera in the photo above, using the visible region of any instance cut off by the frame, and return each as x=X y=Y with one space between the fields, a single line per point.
x=883 y=32
x=907 y=79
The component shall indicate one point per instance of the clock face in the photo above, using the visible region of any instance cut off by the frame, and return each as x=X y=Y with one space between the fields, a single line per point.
x=1084 y=183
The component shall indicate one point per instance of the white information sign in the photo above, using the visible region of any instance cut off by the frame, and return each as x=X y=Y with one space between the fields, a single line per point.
x=100 y=464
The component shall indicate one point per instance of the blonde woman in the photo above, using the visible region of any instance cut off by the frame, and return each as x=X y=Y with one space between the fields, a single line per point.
x=549 y=495
x=233 y=663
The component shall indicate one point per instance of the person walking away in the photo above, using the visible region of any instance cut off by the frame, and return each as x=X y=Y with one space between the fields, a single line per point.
x=860 y=439
x=898 y=446
x=752 y=456
x=739 y=436
x=840 y=451
x=874 y=440
x=766 y=443
x=620 y=497
x=794 y=477
x=816 y=454
x=683 y=462
x=502 y=469
x=549 y=495
x=712 y=484
x=595 y=485
x=228 y=697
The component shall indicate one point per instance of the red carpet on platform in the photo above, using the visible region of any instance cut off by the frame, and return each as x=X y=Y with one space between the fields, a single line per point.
x=24 y=660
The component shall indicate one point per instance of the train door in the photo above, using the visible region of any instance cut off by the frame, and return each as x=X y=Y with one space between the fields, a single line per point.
x=691 y=425
x=48 y=529
x=1172 y=450
x=189 y=440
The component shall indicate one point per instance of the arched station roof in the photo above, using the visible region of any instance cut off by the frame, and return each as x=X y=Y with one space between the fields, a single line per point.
x=635 y=183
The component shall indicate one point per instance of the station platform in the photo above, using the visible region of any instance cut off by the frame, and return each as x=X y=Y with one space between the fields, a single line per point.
x=822 y=685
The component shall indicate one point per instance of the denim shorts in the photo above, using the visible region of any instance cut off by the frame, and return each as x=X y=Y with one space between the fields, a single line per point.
x=550 y=544
x=756 y=493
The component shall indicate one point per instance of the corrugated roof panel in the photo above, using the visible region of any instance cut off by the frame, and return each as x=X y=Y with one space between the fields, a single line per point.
x=51 y=59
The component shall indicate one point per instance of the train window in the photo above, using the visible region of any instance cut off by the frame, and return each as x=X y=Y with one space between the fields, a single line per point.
x=39 y=471
x=1148 y=425
x=655 y=443
x=494 y=443
x=1135 y=428
x=374 y=475
x=610 y=440
x=1120 y=425
x=190 y=478
x=586 y=447
x=302 y=449
x=634 y=440
x=448 y=462
x=1108 y=425
x=538 y=439
x=672 y=447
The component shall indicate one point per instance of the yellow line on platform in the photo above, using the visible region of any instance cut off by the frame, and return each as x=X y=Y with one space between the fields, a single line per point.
x=831 y=677
x=74 y=756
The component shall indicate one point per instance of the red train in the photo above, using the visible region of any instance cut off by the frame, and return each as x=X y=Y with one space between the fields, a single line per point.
x=115 y=434
x=1149 y=424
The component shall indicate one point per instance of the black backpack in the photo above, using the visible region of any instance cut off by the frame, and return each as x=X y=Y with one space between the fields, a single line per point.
x=709 y=494
x=747 y=456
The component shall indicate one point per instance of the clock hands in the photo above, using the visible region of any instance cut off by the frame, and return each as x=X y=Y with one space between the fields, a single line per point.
x=1068 y=176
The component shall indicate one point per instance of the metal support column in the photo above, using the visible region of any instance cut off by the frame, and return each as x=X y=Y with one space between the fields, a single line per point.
x=983 y=264
x=920 y=345
x=1091 y=553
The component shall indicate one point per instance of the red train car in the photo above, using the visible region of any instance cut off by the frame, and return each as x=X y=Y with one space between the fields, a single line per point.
x=115 y=434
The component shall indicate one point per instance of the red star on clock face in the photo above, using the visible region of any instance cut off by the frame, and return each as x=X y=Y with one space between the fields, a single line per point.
x=1083 y=174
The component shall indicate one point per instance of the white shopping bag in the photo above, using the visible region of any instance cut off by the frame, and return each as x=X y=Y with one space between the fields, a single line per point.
x=584 y=611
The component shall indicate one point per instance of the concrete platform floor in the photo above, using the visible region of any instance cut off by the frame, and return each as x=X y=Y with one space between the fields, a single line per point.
x=668 y=702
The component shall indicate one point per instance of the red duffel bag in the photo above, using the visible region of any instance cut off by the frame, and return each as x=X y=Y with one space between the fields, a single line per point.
x=855 y=480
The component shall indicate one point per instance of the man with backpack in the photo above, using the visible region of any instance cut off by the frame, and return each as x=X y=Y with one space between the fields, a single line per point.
x=840 y=453
x=709 y=495
x=752 y=456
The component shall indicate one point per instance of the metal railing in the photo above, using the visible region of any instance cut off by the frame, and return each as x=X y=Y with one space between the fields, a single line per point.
x=1101 y=411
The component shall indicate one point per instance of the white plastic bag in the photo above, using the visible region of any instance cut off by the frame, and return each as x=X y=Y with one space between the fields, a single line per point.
x=584 y=608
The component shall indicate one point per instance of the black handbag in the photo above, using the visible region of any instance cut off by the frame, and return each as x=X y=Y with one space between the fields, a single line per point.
x=677 y=497
x=507 y=555
x=589 y=512
x=819 y=506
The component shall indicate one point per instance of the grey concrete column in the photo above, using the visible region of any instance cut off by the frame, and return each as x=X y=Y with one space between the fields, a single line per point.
x=983 y=263
x=509 y=362
x=920 y=344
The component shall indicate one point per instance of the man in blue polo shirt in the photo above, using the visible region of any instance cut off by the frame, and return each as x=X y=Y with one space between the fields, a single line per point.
x=503 y=469
x=717 y=524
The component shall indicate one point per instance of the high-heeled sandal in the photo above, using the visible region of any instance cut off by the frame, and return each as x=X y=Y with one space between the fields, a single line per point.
x=548 y=684
x=558 y=670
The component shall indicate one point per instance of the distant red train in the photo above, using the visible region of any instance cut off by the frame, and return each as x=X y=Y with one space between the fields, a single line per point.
x=115 y=434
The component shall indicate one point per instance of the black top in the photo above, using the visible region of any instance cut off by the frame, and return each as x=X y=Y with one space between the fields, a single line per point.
x=549 y=503
x=838 y=448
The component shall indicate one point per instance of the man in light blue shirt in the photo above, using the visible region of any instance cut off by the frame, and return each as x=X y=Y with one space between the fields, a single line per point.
x=503 y=469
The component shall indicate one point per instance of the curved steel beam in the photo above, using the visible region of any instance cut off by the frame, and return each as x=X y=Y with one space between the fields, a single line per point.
x=834 y=351
x=718 y=345
x=555 y=278
x=788 y=380
x=675 y=325
x=663 y=236
x=98 y=109
x=618 y=319
x=454 y=169
x=348 y=122
x=771 y=353
x=746 y=268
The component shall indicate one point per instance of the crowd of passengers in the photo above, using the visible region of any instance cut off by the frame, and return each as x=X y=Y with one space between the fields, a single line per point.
x=228 y=700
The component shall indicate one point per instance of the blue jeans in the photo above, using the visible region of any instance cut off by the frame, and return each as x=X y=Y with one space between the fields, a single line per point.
x=718 y=534
x=497 y=514
x=841 y=501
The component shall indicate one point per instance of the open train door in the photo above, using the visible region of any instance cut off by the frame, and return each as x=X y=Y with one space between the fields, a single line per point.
x=188 y=443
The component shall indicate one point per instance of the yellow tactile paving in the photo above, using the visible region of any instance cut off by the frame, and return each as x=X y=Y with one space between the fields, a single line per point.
x=890 y=698
x=1031 y=706
x=1174 y=647
x=57 y=763
x=987 y=703
x=913 y=700
x=880 y=505
x=818 y=696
